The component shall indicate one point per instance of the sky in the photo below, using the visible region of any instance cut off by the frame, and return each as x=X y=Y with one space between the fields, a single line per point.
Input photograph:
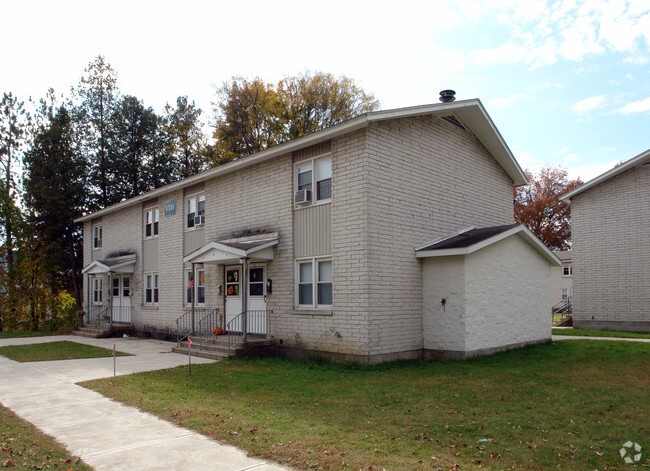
x=566 y=82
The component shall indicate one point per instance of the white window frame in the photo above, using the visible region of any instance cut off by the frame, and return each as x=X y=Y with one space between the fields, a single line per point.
x=98 y=234
x=314 y=282
x=196 y=198
x=315 y=178
x=152 y=218
x=563 y=296
x=151 y=283
x=197 y=286
x=567 y=269
x=97 y=290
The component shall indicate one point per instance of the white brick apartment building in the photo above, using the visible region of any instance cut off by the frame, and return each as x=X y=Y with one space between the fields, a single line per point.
x=610 y=225
x=317 y=238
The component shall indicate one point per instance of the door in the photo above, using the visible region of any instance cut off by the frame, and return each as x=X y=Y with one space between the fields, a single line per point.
x=256 y=291
x=256 y=300
x=121 y=293
x=233 y=297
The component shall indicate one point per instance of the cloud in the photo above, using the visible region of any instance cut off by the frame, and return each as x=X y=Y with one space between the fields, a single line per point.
x=502 y=102
x=589 y=172
x=588 y=104
x=640 y=106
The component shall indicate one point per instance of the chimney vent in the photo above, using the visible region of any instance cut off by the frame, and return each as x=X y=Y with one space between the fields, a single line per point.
x=447 y=96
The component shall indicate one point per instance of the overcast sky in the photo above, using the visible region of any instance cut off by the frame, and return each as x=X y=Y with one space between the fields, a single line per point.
x=566 y=82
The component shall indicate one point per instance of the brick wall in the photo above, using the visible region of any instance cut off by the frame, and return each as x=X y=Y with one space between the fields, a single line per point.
x=611 y=252
x=425 y=178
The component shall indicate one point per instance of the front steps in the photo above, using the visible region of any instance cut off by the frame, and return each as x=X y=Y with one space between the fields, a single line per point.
x=217 y=348
x=95 y=331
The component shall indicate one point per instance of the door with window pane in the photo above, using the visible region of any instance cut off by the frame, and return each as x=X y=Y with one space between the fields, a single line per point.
x=121 y=294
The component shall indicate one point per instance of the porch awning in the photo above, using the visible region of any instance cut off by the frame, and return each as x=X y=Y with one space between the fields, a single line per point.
x=118 y=264
x=232 y=251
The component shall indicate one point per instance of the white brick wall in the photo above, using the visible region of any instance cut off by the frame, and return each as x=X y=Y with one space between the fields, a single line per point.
x=611 y=251
x=426 y=178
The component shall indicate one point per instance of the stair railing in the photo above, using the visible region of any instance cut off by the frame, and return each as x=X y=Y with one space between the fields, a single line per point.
x=206 y=326
x=183 y=327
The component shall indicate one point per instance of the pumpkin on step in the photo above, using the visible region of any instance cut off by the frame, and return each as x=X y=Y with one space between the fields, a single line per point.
x=219 y=331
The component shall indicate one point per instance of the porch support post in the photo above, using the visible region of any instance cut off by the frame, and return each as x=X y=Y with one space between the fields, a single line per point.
x=88 y=298
x=244 y=297
x=193 y=295
x=110 y=298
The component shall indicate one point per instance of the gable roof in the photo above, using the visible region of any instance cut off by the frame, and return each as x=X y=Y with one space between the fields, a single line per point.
x=642 y=159
x=471 y=239
x=469 y=113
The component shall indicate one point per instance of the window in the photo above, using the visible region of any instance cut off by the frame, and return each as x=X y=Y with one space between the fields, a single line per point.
x=256 y=281
x=97 y=237
x=151 y=288
x=195 y=286
x=567 y=270
x=97 y=290
x=565 y=293
x=315 y=175
x=116 y=287
x=195 y=206
x=151 y=222
x=232 y=282
x=314 y=283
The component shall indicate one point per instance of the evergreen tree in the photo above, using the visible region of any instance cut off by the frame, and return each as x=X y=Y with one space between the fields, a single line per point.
x=183 y=127
x=55 y=172
x=98 y=95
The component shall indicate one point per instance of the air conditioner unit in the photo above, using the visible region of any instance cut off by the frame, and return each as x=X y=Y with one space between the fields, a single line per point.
x=302 y=197
x=199 y=220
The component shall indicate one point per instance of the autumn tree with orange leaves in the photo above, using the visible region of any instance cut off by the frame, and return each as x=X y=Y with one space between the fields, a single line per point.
x=538 y=206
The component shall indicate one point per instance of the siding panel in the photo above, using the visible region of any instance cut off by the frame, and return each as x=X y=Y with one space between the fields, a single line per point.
x=194 y=240
x=150 y=255
x=313 y=231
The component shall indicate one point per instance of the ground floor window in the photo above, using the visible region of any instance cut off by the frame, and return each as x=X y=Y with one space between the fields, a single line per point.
x=97 y=290
x=565 y=293
x=151 y=288
x=314 y=282
x=195 y=286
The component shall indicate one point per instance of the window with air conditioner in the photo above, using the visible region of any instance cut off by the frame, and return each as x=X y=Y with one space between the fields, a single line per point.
x=195 y=210
x=313 y=181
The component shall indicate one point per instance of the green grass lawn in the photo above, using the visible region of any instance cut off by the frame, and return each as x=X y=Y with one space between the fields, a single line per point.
x=565 y=405
x=12 y=335
x=65 y=350
x=23 y=446
x=601 y=333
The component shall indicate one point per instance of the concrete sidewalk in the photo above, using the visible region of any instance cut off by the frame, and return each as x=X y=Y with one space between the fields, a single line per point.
x=106 y=434
x=583 y=337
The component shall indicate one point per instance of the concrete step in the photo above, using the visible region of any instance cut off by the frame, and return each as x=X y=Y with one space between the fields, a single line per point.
x=212 y=355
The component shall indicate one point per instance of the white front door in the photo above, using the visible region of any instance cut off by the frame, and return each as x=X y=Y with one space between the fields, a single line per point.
x=121 y=293
x=256 y=291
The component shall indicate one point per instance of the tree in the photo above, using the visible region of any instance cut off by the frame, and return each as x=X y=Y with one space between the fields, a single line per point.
x=99 y=94
x=55 y=194
x=538 y=206
x=183 y=127
x=315 y=102
x=250 y=118
x=135 y=144
x=252 y=115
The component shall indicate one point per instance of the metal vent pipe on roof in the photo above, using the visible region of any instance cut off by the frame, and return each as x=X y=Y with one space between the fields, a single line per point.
x=447 y=96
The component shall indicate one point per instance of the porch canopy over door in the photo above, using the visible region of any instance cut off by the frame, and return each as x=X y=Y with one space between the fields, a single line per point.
x=232 y=251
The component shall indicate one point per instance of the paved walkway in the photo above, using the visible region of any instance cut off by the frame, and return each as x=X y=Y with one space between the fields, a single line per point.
x=582 y=337
x=106 y=434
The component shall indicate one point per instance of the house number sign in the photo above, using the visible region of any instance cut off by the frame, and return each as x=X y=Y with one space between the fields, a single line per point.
x=170 y=207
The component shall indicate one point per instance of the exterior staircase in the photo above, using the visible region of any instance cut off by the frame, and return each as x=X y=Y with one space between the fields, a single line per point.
x=101 y=331
x=216 y=348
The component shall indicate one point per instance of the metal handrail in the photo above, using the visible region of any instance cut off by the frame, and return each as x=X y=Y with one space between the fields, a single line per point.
x=256 y=325
x=183 y=327
x=207 y=325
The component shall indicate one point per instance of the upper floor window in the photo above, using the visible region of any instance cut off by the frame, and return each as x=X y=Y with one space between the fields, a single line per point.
x=195 y=210
x=97 y=237
x=567 y=269
x=315 y=177
x=151 y=222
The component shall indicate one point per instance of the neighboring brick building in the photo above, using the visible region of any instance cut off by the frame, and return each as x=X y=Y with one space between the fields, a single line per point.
x=329 y=222
x=562 y=278
x=610 y=226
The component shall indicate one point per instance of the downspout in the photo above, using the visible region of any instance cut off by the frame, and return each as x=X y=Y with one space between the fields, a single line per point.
x=244 y=296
